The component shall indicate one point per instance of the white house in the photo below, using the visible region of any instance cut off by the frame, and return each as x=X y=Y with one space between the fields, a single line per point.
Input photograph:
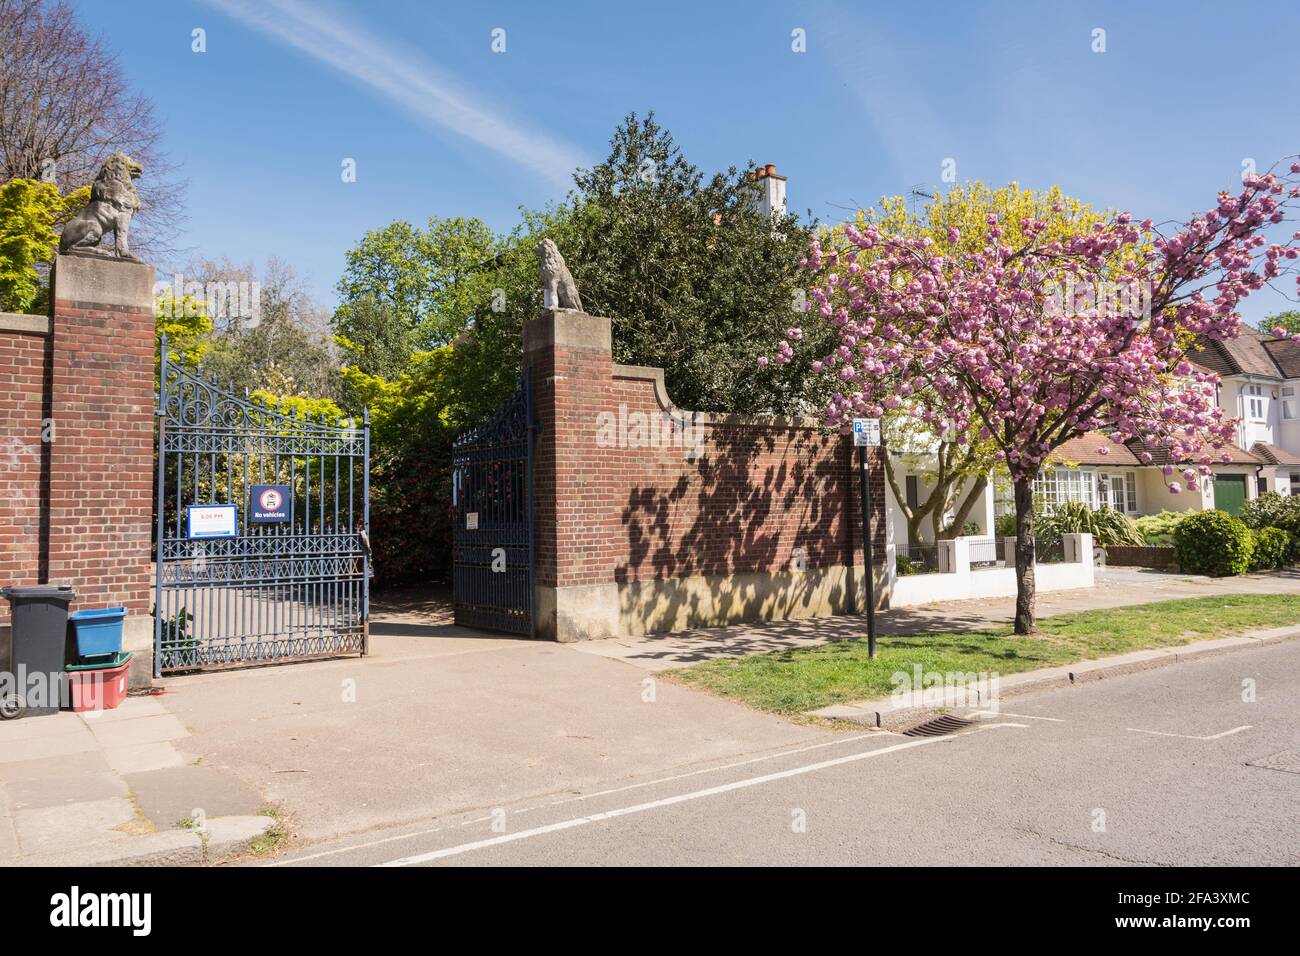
x=1260 y=386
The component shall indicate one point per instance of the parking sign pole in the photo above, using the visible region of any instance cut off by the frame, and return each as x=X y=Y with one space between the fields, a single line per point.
x=866 y=434
x=868 y=552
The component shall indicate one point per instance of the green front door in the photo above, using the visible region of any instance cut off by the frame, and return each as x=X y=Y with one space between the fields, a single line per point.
x=1230 y=493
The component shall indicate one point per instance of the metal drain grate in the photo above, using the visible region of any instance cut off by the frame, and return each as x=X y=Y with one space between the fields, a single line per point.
x=1287 y=761
x=939 y=726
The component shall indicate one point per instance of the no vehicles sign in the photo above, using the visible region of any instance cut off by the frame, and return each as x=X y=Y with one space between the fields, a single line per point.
x=270 y=503
x=866 y=432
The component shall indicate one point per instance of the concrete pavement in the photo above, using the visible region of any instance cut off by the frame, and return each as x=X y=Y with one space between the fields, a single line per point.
x=115 y=787
x=1193 y=765
x=1115 y=587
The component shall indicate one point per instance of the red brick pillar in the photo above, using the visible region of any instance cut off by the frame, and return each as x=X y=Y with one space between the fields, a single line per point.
x=101 y=453
x=24 y=455
x=575 y=512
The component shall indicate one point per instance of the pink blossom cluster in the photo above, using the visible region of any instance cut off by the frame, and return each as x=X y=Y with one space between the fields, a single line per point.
x=970 y=342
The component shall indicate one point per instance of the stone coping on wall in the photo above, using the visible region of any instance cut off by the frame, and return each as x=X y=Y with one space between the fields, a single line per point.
x=30 y=324
x=733 y=419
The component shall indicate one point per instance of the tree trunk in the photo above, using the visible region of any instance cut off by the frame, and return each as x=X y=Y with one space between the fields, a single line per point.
x=1024 y=492
x=959 y=519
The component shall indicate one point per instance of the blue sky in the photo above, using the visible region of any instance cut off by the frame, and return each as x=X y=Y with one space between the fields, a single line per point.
x=883 y=95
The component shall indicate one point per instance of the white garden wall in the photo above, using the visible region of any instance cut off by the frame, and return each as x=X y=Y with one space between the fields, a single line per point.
x=964 y=583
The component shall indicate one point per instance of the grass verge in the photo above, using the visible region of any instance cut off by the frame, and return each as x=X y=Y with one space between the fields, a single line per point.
x=794 y=681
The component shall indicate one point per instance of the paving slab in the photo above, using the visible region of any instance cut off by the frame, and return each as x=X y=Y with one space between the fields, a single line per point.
x=45 y=727
x=59 y=781
x=139 y=758
x=164 y=848
x=35 y=748
x=67 y=827
x=166 y=797
x=130 y=709
x=142 y=730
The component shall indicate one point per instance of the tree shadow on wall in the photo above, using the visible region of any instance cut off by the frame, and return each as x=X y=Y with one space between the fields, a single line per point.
x=758 y=501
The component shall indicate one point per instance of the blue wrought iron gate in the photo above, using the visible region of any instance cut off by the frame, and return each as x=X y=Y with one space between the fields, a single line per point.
x=492 y=519
x=281 y=584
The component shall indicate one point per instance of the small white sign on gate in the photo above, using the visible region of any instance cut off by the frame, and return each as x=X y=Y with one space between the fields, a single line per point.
x=212 y=521
x=471 y=521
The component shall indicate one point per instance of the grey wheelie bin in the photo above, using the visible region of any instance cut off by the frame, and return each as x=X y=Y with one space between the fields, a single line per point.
x=38 y=616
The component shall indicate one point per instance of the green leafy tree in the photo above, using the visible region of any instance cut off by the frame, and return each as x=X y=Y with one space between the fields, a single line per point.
x=30 y=212
x=691 y=273
x=376 y=339
x=408 y=288
x=1289 y=320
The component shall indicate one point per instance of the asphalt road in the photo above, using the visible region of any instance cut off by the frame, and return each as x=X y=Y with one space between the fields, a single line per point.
x=1151 y=768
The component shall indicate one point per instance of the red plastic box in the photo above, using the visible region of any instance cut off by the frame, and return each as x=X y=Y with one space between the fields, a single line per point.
x=98 y=687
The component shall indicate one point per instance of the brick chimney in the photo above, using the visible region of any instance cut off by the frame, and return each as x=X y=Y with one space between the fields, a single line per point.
x=770 y=195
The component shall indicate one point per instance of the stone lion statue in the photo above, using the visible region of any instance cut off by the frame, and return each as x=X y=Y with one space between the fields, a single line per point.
x=559 y=291
x=113 y=201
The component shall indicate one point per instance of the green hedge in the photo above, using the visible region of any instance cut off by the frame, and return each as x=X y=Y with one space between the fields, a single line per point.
x=1272 y=547
x=1213 y=543
x=1158 y=530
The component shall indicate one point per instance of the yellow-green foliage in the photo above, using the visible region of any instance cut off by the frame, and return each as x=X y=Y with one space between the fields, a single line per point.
x=967 y=207
x=426 y=393
x=30 y=211
x=186 y=324
x=302 y=406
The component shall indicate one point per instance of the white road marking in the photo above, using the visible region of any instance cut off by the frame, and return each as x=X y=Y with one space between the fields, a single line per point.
x=588 y=796
x=1003 y=713
x=1161 y=733
x=669 y=801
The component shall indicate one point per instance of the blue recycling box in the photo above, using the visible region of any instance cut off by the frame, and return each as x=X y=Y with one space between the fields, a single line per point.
x=98 y=632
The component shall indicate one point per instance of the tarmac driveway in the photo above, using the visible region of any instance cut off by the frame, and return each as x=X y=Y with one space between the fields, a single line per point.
x=440 y=719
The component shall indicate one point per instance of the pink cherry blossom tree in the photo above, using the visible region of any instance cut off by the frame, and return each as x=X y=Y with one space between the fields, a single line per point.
x=1031 y=336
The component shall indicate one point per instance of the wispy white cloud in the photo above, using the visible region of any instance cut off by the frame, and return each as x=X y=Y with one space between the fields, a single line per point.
x=396 y=73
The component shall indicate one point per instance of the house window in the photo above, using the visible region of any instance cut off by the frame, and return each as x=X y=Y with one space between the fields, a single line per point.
x=1256 y=403
x=1261 y=485
x=1288 y=402
x=1295 y=482
x=1119 y=491
x=913 y=492
x=1059 y=485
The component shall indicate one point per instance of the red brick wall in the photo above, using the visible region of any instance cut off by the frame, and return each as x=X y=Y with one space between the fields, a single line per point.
x=101 y=462
x=77 y=509
x=754 y=498
x=24 y=368
x=606 y=511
